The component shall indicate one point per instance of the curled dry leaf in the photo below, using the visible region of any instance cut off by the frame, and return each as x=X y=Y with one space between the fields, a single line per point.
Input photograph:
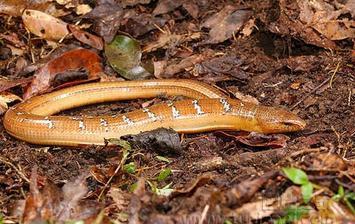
x=165 y=141
x=44 y=25
x=72 y=61
x=87 y=38
x=6 y=98
x=324 y=17
x=107 y=16
x=268 y=206
x=261 y=140
x=8 y=84
x=225 y=23
x=165 y=70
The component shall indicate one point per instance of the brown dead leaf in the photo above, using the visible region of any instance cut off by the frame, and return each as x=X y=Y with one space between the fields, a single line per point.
x=324 y=17
x=169 y=40
x=126 y=3
x=225 y=23
x=266 y=207
x=331 y=209
x=304 y=63
x=294 y=27
x=73 y=60
x=8 y=84
x=165 y=6
x=140 y=24
x=16 y=7
x=107 y=16
x=53 y=203
x=44 y=25
x=13 y=39
x=188 y=191
x=86 y=38
x=6 y=98
x=327 y=161
x=261 y=140
x=175 y=67
x=119 y=197
x=220 y=67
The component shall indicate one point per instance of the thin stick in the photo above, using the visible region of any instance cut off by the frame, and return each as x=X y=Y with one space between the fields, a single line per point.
x=310 y=93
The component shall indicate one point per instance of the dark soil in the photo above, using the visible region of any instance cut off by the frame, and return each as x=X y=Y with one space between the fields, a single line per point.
x=278 y=70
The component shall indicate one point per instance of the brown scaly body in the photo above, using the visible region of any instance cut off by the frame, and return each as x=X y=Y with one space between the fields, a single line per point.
x=208 y=109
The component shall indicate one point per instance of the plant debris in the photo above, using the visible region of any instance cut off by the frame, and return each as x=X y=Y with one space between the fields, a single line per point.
x=297 y=55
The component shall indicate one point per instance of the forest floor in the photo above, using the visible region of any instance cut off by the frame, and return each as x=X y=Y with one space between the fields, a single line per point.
x=275 y=53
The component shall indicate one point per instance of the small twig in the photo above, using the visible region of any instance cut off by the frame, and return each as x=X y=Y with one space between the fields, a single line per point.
x=349 y=97
x=310 y=93
x=204 y=214
x=22 y=175
x=122 y=162
x=158 y=27
x=333 y=75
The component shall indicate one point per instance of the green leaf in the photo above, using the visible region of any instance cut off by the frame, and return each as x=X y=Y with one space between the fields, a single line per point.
x=164 y=159
x=133 y=187
x=164 y=174
x=282 y=220
x=297 y=176
x=124 y=55
x=307 y=191
x=227 y=222
x=75 y=222
x=130 y=168
x=341 y=191
x=165 y=191
x=293 y=213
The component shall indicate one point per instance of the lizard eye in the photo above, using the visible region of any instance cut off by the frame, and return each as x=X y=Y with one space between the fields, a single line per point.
x=288 y=123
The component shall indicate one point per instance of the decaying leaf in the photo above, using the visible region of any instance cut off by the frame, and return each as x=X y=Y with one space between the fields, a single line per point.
x=140 y=24
x=225 y=23
x=165 y=141
x=324 y=17
x=124 y=55
x=261 y=140
x=266 y=207
x=330 y=209
x=166 y=6
x=8 y=84
x=71 y=61
x=44 y=25
x=6 y=98
x=86 y=38
x=164 y=70
x=167 y=40
x=52 y=203
x=16 y=7
x=108 y=17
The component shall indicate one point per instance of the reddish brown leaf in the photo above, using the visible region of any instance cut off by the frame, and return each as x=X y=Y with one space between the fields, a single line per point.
x=86 y=38
x=261 y=140
x=72 y=60
x=8 y=84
